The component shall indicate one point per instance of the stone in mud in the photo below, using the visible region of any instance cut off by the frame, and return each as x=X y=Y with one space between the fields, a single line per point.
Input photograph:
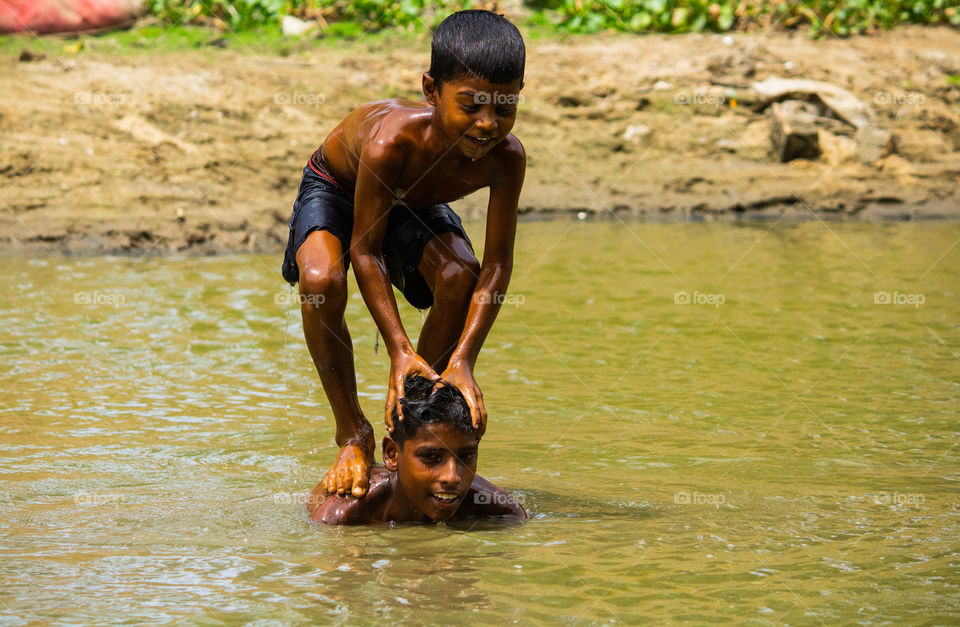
x=793 y=130
x=293 y=26
x=637 y=133
x=873 y=144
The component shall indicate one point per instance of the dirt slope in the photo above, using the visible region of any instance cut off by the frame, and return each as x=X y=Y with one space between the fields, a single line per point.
x=202 y=152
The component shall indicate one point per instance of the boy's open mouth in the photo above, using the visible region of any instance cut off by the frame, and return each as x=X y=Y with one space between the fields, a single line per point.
x=445 y=499
x=478 y=141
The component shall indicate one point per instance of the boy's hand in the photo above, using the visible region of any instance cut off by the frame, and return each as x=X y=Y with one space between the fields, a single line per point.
x=405 y=364
x=462 y=377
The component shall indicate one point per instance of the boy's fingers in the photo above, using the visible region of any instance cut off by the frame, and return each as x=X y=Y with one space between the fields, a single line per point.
x=399 y=404
x=481 y=424
x=388 y=410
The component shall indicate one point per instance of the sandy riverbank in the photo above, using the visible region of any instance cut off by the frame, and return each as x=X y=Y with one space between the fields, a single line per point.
x=201 y=152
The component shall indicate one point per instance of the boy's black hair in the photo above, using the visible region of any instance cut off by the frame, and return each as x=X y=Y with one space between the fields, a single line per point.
x=423 y=405
x=477 y=43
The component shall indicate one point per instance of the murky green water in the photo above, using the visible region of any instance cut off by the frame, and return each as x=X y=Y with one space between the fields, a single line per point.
x=782 y=448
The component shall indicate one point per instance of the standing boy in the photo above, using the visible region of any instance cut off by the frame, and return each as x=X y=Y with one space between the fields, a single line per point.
x=375 y=194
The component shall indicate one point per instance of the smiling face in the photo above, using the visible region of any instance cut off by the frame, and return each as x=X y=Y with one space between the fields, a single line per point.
x=473 y=113
x=435 y=468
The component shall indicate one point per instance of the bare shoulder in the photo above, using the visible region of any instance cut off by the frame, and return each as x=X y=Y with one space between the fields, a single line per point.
x=510 y=152
x=486 y=500
x=509 y=162
x=402 y=125
x=336 y=509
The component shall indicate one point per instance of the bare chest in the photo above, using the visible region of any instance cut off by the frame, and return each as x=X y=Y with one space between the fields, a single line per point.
x=425 y=184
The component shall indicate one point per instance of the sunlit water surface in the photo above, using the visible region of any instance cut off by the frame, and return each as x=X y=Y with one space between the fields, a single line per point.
x=704 y=422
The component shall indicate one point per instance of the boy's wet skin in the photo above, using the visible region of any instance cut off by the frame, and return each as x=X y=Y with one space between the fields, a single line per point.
x=456 y=143
x=429 y=478
x=436 y=152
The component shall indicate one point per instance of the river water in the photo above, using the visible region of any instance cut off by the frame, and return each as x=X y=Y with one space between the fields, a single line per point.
x=705 y=421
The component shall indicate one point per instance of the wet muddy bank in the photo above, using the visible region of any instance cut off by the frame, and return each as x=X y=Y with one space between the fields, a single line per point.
x=201 y=153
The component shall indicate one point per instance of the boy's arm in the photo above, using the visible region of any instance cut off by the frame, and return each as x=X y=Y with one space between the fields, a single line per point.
x=492 y=282
x=373 y=198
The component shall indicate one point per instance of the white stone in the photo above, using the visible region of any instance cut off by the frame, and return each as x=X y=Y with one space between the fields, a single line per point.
x=293 y=26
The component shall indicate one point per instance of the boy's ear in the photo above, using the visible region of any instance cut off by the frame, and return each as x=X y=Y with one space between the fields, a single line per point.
x=431 y=90
x=391 y=453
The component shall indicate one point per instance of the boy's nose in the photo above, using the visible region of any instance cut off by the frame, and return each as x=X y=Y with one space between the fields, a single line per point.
x=450 y=474
x=486 y=124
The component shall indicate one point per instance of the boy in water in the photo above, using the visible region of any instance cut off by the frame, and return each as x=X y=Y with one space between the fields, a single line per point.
x=375 y=193
x=429 y=471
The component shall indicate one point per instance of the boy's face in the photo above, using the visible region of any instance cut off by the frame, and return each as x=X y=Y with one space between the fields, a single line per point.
x=474 y=113
x=435 y=468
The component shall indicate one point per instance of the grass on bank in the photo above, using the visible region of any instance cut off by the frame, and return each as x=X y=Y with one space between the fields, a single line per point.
x=350 y=17
x=254 y=25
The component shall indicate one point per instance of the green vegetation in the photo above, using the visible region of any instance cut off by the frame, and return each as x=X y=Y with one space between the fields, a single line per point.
x=846 y=17
x=353 y=17
x=345 y=17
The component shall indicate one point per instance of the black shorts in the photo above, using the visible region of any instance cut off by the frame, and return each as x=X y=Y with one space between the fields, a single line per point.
x=322 y=205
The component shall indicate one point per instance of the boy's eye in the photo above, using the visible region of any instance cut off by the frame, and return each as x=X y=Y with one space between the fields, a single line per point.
x=429 y=458
x=505 y=111
x=468 y=457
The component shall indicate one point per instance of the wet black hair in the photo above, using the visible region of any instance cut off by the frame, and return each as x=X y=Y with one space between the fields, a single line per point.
x=477 y=43
x=423 y=404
